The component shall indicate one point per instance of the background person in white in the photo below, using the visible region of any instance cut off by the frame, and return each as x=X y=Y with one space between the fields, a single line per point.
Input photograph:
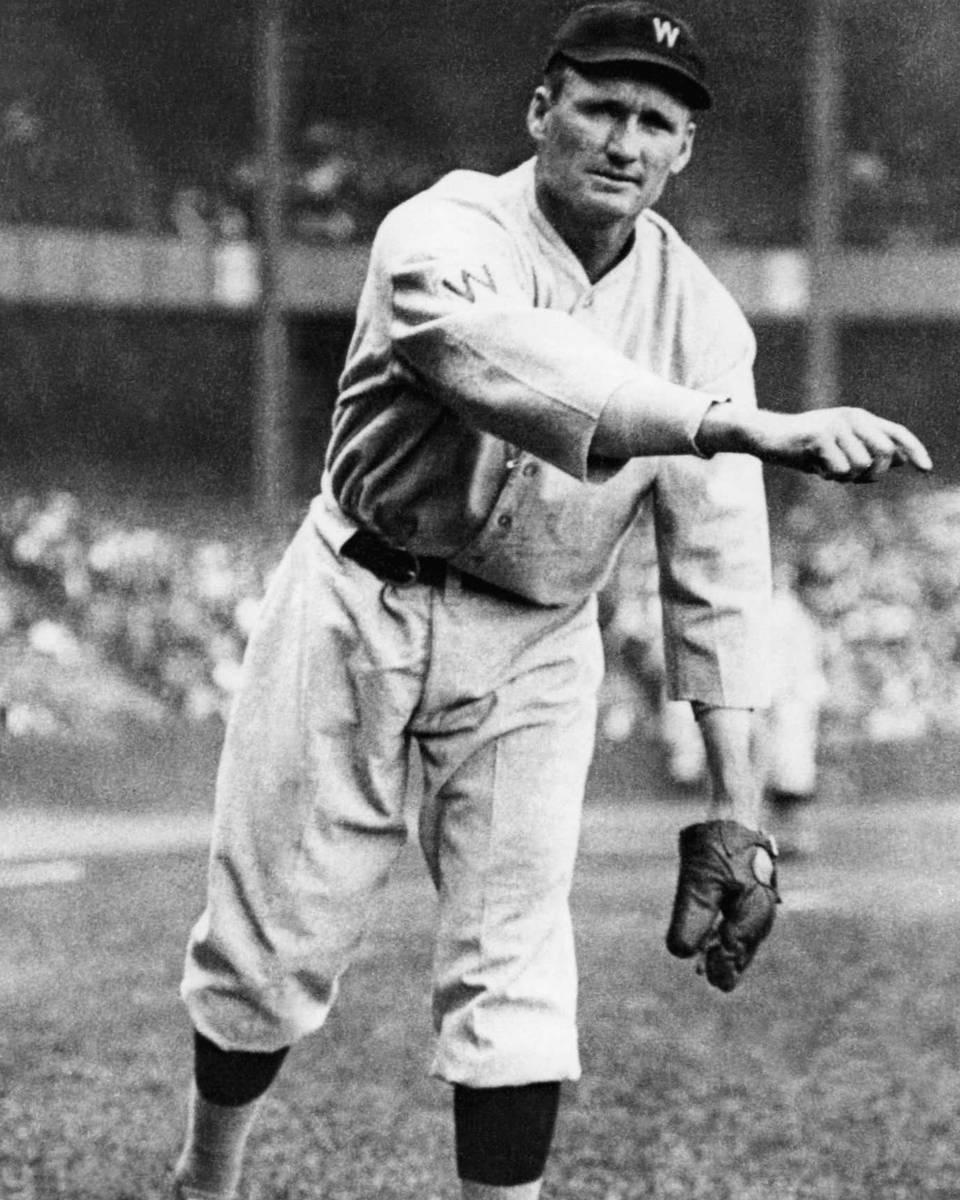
x=536 y=357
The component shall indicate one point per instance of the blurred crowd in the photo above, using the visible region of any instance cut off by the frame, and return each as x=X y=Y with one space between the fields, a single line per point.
x=341 y=180
x=868 y=603
x=100 y=130
x=342 y=177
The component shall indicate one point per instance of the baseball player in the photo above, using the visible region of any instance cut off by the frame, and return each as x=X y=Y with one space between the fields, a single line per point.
x=536 y=357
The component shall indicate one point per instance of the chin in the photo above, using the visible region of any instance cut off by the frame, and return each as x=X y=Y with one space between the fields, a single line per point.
x=624 y=202
x=610 y=209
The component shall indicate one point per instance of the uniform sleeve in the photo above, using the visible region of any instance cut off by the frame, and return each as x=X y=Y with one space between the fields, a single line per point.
x=714 y=557
x=465 y=323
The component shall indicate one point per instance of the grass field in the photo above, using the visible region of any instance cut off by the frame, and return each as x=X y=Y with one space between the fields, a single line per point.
x=833 y=1074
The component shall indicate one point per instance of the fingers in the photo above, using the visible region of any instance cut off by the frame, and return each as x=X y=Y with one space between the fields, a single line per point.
x=868 y=457
x=907 y=447
x=841 y=456
x=696 y=908
x=721 y=967
x=874 y=446
x=738 y=937
x=851 y=445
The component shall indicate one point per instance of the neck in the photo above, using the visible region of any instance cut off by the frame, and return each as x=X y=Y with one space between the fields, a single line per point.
x=598 y=247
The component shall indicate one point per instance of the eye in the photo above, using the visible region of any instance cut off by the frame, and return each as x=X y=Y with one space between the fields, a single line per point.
x=608 y=109
x=657 y=121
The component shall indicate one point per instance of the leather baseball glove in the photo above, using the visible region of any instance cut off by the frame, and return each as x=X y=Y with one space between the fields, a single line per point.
x=726 y=898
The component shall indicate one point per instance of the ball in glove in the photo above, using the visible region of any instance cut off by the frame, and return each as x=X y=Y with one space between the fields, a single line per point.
x=726 y=898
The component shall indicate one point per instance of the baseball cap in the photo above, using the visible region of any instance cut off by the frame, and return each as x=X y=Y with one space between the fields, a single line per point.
x=621 y=31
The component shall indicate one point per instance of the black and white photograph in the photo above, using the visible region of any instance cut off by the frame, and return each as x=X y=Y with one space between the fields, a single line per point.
x=479 y=600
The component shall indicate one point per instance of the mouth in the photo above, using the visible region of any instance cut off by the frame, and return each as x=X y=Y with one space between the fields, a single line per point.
x=614 y=179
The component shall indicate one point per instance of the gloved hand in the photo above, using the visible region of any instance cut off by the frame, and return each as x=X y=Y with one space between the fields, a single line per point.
x=726 y=898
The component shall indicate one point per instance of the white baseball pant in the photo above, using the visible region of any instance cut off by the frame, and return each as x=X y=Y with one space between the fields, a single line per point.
x=345 y=679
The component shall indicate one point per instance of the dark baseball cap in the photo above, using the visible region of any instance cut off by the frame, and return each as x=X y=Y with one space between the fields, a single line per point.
x=620 y=31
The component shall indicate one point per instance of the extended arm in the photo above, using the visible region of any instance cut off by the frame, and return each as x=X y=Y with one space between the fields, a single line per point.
x=845 y=444
x=466 y=325
x=464 y=320
x=850 y=445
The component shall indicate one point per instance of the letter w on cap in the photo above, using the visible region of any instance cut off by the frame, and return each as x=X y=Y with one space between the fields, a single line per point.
x=665 y=31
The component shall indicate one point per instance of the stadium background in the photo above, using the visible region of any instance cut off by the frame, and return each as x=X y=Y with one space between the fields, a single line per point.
x=132 y=316
x=133 y=551
x=130 y=117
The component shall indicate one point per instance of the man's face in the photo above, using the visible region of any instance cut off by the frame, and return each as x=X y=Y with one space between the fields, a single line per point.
x=607 y=146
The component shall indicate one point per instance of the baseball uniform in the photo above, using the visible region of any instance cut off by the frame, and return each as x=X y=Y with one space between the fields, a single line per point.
x=482 y=360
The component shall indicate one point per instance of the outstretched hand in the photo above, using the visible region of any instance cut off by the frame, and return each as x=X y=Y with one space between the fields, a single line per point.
x=849 y=445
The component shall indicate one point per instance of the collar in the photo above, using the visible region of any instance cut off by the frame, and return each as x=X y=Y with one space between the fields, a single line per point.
x=626 y=262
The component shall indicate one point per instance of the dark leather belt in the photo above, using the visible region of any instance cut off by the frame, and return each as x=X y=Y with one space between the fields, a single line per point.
x=403 y=568
x=391 y=564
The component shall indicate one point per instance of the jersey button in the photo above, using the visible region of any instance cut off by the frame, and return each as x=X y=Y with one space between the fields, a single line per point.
x=505 y=521
x=531 y=469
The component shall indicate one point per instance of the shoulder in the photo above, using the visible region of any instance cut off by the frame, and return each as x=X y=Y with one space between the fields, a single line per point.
x=707 y=310
x=465 y=222
x=460 y=201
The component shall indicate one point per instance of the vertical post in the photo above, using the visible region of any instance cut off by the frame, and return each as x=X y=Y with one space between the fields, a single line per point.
x=824 y=202
x=272 y=450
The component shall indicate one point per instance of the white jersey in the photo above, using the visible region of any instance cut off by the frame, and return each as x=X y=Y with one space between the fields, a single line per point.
x=482 y=360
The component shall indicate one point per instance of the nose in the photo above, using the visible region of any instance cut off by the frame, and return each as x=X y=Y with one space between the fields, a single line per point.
x=625 y=143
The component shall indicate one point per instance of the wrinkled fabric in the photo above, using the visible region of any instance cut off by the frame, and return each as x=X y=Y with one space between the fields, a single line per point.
x=482 y=360
x=345 y=680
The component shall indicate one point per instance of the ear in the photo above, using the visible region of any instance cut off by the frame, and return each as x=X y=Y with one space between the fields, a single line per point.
x=540 y=105
x=686 y=150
